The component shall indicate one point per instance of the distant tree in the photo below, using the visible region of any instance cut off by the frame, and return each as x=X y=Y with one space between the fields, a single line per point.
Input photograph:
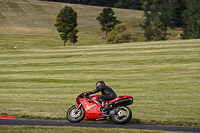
x=107 y=20
x=120 y=34
x=159 y=18
x=147 y=25
x=179 y=7
x=129 y=4
x=66 y=23
x=191 y=17
x=160 y=15
x=137 y=5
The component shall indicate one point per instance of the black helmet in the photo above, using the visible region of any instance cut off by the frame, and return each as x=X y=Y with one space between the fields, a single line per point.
x=100 y=83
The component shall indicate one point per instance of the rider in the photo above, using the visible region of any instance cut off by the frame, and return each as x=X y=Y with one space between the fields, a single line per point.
x=107 y=92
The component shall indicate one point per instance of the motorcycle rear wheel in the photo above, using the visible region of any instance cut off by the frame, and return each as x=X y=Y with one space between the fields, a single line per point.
x=73 y=116
x=123 y=116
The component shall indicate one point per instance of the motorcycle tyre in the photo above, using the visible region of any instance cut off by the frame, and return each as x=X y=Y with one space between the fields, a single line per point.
x=122 y=121
x=82 y=116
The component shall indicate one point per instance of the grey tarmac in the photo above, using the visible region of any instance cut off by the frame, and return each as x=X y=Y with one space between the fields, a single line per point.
x=96 y=125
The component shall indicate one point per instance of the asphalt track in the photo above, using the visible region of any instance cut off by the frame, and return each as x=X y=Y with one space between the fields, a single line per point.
x=96 y=125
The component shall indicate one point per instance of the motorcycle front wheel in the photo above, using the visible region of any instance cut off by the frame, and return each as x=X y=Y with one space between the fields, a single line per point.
x=75 y=116
x=123 y=115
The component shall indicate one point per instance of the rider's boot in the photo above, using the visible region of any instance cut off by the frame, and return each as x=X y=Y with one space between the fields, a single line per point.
x=106 y=107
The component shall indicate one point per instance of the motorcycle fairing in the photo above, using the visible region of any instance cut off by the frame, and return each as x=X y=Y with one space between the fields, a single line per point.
x=92 y=109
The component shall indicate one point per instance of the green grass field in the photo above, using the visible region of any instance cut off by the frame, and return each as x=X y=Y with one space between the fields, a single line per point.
x=163 y=77
x=41 y=79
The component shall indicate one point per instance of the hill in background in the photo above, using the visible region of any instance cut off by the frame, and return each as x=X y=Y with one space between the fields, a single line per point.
x=30 y=23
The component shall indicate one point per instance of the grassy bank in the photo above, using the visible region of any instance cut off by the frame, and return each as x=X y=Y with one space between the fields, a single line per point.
x=163 y=77
x=25 y=129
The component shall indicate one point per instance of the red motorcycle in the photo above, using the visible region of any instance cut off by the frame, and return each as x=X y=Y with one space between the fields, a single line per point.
x=90 y=108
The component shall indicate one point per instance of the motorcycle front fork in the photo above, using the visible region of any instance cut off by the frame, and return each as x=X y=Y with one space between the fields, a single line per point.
x=78 y=108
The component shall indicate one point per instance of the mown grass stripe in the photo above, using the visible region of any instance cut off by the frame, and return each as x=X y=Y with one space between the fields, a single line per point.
x=164 y=80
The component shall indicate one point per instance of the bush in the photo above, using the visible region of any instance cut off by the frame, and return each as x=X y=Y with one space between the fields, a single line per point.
x=120 y=35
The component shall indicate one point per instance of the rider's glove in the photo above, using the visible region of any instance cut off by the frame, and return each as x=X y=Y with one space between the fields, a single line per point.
x=86 y=94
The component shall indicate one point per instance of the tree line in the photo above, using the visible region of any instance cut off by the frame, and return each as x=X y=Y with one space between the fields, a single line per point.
x=128 y=4
x=160 y=16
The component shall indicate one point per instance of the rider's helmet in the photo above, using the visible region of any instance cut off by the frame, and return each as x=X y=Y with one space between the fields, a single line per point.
x=100 y=83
